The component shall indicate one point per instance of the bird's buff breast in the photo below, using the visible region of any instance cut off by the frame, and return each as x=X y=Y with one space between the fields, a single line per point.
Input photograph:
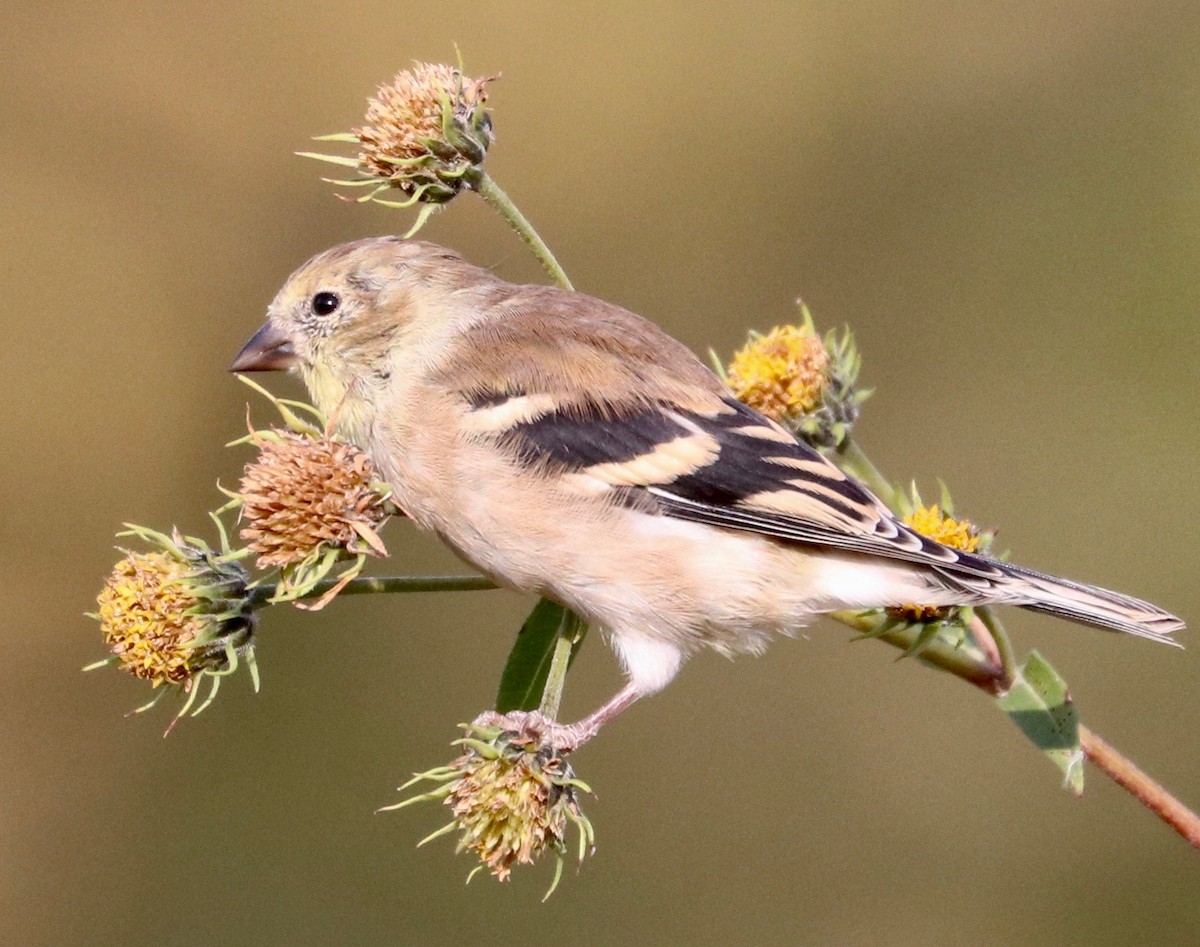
x=637 y=575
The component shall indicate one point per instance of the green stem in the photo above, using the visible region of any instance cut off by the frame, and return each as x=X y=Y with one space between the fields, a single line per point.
x=569 y=634
x=851 y=458
x=991 y=624
x=365 y=585
x=490 y=191
x=960 y=661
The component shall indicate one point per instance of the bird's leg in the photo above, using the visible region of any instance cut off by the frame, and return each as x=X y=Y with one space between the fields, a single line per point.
x=562 y=736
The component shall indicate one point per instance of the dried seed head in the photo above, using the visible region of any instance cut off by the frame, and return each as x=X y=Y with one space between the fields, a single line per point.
x=305 y=495
x=423 y=128
x=425 y=134
x=512 y=798
x=509 y=808
x=307 y=502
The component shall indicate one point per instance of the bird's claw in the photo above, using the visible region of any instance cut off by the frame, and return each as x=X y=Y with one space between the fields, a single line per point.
x=531 y=723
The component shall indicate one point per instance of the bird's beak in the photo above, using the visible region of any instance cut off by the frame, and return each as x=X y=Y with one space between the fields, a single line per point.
x=268 y=351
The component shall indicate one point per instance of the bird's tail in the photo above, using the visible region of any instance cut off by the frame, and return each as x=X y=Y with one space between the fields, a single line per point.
x=1089 y=605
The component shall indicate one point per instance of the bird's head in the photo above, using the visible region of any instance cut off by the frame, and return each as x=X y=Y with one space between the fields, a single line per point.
x=346 y=318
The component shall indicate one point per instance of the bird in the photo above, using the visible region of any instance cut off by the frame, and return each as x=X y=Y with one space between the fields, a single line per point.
x=569 y=448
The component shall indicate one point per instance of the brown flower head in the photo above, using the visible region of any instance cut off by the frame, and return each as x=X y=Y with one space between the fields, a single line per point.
x=428 y=119
x=304 y=494
x=307 y=501
x=512 y=798
x=425 y=134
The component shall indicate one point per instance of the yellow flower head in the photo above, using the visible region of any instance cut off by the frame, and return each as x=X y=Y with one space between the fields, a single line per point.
x=783 y=374
x=804 y=382
x=147 y=617
x=961 y=534
x=930 y=521
x=176 y=613
x=512 y=798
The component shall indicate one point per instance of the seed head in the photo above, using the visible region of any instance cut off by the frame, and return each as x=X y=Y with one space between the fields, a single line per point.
x=428 y=119
x=512 y=798
x=305 y=494
x=425 y=134
x=176 y=613
x=308 y=501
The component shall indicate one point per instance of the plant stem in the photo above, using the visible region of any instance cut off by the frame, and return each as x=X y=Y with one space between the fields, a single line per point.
x=556 y=679
x=1126 y=774
x=482 y=183
x=985 y=617
x=995 y=680
x=852 y=459
x=962 y=662
x=369 y=584
x=571 y=629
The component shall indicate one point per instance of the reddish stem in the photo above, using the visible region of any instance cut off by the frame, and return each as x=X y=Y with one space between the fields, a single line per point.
x=1125 y=773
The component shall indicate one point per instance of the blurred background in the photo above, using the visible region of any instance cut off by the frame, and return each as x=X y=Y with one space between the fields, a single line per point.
x=1001 y=199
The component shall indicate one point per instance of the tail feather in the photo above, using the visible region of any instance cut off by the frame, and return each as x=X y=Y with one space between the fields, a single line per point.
x=1089 y=605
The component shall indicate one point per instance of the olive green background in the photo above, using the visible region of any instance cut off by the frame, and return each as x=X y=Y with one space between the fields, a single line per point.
x=1002 y=199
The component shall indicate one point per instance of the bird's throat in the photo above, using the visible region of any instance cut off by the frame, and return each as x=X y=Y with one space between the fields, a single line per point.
x=349 y=413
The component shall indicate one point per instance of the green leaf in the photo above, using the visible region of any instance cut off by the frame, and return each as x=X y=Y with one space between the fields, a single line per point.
x=1039 y=704
x=528 y=664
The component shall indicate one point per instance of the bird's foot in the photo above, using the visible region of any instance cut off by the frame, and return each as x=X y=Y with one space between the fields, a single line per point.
x=562 y=737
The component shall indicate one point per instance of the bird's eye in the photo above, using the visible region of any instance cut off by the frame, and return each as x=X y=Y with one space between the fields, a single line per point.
x=325 y=303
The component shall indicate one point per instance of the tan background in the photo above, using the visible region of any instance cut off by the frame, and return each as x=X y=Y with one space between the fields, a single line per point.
x=1001 y=198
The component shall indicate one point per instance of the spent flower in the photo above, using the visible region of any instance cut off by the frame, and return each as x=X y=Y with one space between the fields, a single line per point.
x=307 y=502
x=177 y=614
x=424 y=134
x=799 y=379
x=512 y=797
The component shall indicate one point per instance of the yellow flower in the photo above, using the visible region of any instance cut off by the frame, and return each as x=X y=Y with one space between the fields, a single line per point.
x=147 y=617
x=782 y=374
x=930 y=521
x=961 y=534
x=512 y=798
x=800 y=380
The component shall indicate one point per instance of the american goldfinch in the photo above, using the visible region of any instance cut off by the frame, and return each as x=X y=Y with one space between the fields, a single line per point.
x=569 y=448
